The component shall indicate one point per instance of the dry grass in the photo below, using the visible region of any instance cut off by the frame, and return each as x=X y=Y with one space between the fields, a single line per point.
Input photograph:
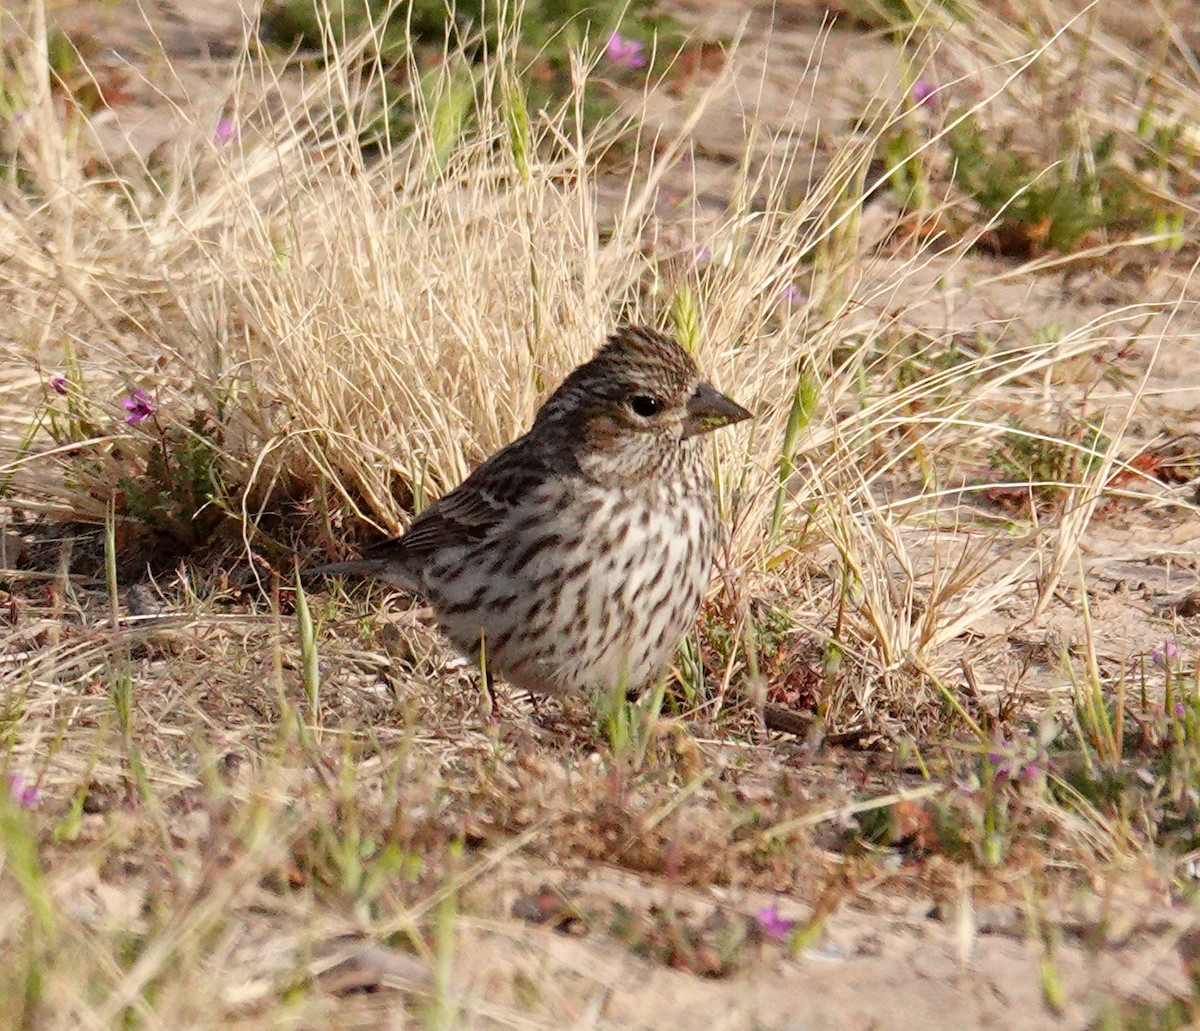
x=229 y=793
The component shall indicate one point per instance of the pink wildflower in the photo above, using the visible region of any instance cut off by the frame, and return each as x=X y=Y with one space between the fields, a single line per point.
x=772 y=924
x=226 y=132
x=629 y=53
x=924 y=92
x=1163 y=653
x=138 y=405
x=22 y=791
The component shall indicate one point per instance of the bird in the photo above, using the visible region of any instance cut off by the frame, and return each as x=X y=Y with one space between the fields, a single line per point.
x=575 y=559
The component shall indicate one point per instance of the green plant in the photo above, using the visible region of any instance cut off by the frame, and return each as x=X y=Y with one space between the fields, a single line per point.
x=634 y=36
x=898 y=17
x=1054 y=205
x=174 y=491
x=1171 y=1015
x=310 y=663
x=631 y=725
x=1163 y=162
x=165 y=474
x=1138 y=746
x=1049 y=463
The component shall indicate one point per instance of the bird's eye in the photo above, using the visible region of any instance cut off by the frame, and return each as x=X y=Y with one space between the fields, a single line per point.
x=645 y=406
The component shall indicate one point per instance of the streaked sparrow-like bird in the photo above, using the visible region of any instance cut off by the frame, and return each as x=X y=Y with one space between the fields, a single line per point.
x=579 y=554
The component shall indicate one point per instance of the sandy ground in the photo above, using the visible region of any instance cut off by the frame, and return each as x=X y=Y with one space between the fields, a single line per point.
x=882 y=962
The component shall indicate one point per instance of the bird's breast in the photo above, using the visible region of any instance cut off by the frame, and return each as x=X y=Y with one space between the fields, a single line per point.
x=632 y=588
x=584 y=587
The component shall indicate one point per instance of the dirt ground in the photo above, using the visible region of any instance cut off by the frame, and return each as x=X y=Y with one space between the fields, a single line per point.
x=884 y=959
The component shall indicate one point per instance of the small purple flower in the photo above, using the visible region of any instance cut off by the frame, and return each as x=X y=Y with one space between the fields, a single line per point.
x=629 y=53
x=924 y=92
x=226 y=132
x=792 y=294
x=1001 y=759
x=138 y=405
x=772 y=924
x=22 y=791
x=1179 y=709
x=1163 y=653
x=59 y=385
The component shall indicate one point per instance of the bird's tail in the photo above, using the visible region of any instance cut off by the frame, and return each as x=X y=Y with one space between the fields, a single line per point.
x=359 y=567
x=381 y=568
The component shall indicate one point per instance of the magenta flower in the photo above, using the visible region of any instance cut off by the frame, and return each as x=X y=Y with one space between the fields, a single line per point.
x=1163 y=653
x=792 y=294
x=138 y=405
x=925 y=92
x=58 y=384
x=630 y=53
x=22 y=791
x=772 y=924
x=226 y=132
x=1001 y=759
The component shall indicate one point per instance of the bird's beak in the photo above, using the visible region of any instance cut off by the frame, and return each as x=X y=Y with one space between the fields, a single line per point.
x=708 y=410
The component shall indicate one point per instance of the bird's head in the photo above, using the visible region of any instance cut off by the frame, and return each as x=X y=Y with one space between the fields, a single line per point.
x=637 y=406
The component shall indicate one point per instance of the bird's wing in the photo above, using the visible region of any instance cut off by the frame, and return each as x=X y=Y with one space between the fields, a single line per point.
x=473 y=509
x=460 y=517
